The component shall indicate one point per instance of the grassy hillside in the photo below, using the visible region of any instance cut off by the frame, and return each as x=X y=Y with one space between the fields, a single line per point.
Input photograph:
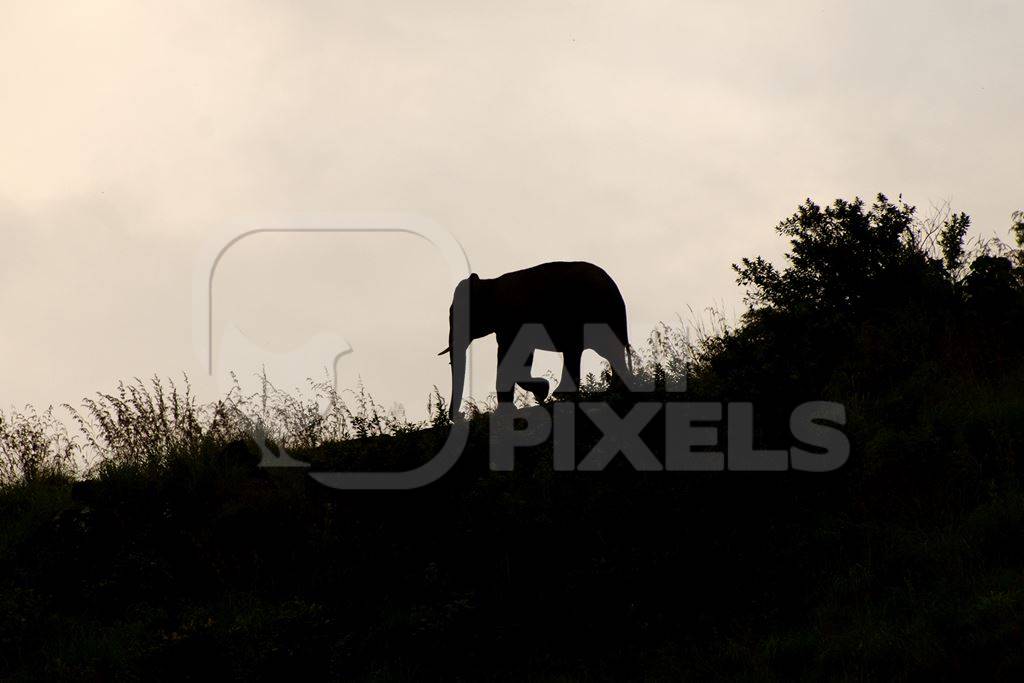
x=177 y=556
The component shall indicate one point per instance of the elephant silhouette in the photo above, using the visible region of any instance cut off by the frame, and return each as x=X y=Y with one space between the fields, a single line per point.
x=559 y=306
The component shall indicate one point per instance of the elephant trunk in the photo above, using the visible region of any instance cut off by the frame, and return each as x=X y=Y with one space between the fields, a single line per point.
x=459 y=336
x=458 y=348
x=458 y=361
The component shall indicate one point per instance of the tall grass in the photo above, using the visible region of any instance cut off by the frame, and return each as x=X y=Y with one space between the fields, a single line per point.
x=35 y=446
x=148 y=424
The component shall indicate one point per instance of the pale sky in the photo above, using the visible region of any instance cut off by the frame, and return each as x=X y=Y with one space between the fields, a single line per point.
x=660 y=140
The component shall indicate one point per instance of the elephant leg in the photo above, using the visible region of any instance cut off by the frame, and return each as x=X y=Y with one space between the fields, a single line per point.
x=506 y=379
x=572 y=360
x=613 y=351
x=512 y=375
x=538 y=386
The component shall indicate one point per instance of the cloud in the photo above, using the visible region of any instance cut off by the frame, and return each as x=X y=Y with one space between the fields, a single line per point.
x=661 y=140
